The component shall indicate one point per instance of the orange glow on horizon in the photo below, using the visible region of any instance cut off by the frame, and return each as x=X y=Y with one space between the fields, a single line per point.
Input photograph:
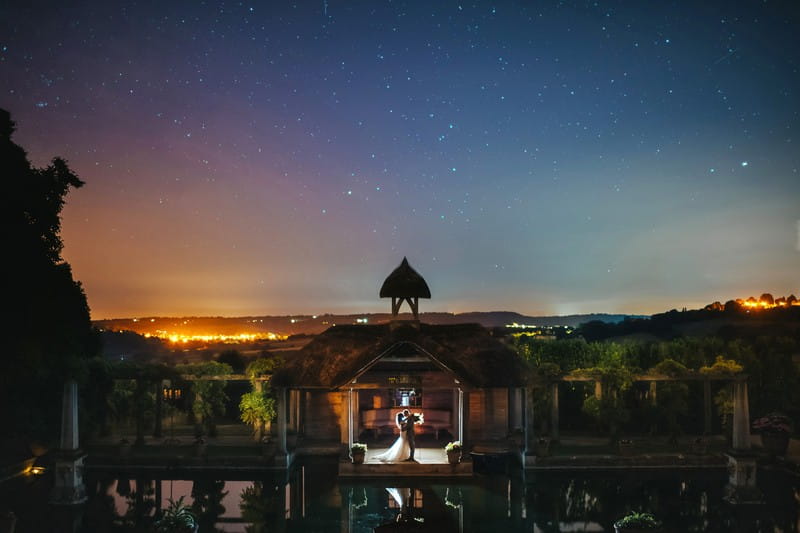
x=763 y=304
x=180 y=338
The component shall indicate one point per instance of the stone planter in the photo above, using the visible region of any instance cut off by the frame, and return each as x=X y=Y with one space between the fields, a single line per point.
x=454 y=457
x=357 y=457
x=635 y=530
x=625 y=449
x=775 y=444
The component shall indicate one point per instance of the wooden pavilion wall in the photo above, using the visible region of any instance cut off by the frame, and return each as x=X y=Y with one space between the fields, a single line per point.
x=488 y=414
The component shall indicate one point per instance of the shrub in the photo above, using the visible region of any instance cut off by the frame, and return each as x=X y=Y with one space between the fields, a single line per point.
x=637 y=521
x=454 y=446
x=177 y=517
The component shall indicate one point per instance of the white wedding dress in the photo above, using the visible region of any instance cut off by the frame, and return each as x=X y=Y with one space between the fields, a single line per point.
x=399 y=451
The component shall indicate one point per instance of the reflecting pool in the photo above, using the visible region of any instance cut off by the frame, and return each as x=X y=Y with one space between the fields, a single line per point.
x=312 y=499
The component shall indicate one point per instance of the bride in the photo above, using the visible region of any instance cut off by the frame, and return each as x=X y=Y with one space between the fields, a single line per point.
x=400 y=450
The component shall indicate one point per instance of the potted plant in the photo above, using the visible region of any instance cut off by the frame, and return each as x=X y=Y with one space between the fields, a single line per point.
x=775 y=430
x=453 y=450
x=357 y=452
x=177 y=518
x=625 y=447
x=634 y=522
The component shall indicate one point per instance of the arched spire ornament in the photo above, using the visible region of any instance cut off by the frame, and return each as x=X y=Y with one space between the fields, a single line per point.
x=405 y=284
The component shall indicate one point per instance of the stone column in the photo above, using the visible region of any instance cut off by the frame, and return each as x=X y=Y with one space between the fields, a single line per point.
x=69 y=418
x=68 y=486
x=515 y=410
x=554 y=433
x=741 y=416
x=598 y=390
x=455 y=417
x=460 y=416
x=354 y=415
x=157 y=430
x=530 y=431
x=301 y=413
x=138 y=399
x=652 y=397
x=281 y=457
x=707 y=407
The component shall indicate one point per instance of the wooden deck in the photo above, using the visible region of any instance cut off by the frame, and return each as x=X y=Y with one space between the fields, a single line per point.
x=429 y=462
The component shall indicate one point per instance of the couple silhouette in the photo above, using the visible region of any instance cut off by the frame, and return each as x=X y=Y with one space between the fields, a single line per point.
x=403 y=448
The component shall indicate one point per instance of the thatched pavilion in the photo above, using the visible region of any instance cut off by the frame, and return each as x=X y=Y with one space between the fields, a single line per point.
x=350 y=381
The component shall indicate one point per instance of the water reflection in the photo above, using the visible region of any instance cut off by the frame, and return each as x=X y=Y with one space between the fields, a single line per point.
x=313 y=499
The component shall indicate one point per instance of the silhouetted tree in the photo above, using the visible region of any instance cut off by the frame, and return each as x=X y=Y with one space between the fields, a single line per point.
x=233 y=358
x=49 y=331
x=767 y=298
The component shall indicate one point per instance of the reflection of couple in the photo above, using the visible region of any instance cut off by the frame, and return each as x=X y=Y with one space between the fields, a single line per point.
x=403 y=447
x=405 y=519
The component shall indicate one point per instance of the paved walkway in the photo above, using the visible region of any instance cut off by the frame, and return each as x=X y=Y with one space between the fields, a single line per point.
x=422 y=455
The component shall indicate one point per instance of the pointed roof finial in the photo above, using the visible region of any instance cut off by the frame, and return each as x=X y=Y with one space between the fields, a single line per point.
x=405 y=282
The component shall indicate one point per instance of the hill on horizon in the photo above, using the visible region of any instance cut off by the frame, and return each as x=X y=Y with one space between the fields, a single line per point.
x=314 y=324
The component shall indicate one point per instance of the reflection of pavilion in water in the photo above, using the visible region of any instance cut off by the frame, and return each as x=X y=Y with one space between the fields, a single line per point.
x=348 y=384
x=306 y=501
x=313 y=499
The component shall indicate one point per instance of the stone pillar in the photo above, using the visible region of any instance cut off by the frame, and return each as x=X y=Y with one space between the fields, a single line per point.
x=460 y=416
x=530 y=432
x=282 y=456
x=291 y=424
x=69 y=418
x=138 y=400
x=455 y=417
x=354 y=415
x=515 y=409
x=652 y=399
x=554 y=433
x=68 y=486
x=301 y=413
x=741 y=416
x=598 y=390
x=707 y=407
x=297 y=397
x=157 y=430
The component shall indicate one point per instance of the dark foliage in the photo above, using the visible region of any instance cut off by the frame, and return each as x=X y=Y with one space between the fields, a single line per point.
x=49 y=332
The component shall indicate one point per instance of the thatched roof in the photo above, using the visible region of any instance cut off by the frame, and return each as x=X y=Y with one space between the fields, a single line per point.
x=405 y=282
x=339 y=354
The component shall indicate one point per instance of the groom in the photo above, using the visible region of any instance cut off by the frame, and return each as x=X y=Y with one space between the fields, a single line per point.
x=409 y=421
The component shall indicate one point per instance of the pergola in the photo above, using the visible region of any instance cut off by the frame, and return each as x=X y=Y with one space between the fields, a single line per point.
x=741 y=410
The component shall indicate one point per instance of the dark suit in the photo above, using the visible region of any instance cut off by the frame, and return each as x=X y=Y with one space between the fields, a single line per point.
x=410 y=421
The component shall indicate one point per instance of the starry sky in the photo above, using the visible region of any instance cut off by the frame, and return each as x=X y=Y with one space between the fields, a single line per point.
x=246 y=158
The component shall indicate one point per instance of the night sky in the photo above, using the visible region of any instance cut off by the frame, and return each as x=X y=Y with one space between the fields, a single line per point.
x=272 y=158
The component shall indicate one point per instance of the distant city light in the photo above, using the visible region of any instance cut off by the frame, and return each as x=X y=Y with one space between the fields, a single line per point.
x=177 y=338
